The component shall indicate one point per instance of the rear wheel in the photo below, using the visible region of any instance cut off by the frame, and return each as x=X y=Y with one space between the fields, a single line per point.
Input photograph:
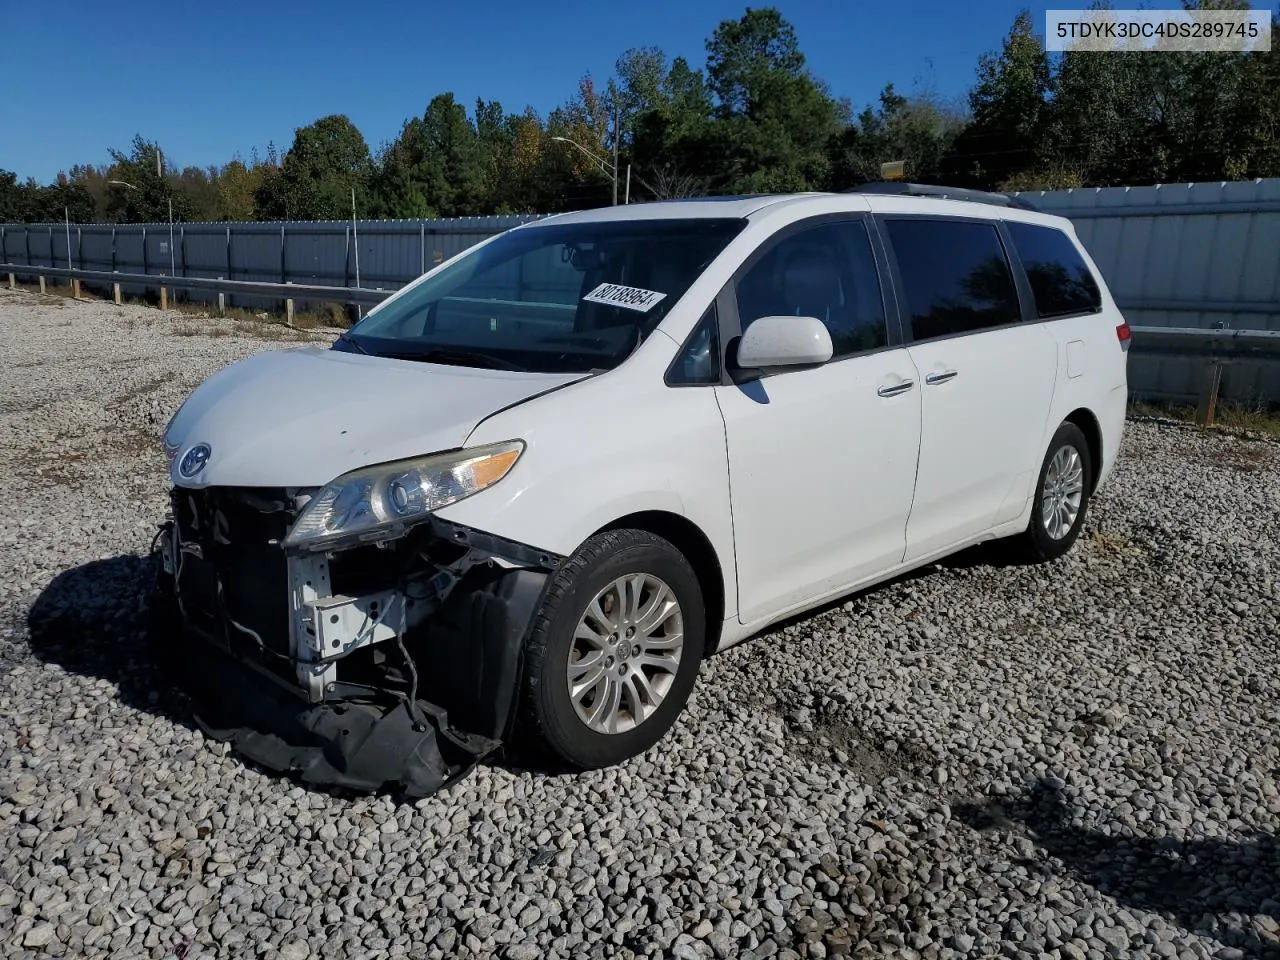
x=1061 y=498
x=615 y=650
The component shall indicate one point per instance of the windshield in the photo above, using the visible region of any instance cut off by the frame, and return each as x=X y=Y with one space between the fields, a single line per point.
x=549 y=299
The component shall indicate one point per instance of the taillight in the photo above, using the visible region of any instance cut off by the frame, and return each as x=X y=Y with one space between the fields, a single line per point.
x=1124 y=335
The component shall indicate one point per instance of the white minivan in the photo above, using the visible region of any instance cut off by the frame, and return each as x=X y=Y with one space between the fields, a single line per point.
x=526 y=495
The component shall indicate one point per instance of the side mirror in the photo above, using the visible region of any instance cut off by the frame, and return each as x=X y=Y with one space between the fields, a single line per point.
x=784 y=342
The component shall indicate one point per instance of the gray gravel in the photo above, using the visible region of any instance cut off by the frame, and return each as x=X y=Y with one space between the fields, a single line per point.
x=1076 y=761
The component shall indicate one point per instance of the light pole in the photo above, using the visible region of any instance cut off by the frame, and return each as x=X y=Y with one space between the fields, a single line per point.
x=123 y=183
x=595 y=157
x=602 y=163
x=605 y=167
x=355 y=242
x=66 y=212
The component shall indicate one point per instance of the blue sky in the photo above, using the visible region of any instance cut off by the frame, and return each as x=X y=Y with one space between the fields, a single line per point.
x=209 y=79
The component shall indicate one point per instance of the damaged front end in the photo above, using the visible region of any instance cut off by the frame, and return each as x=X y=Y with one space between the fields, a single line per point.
x=389 y=665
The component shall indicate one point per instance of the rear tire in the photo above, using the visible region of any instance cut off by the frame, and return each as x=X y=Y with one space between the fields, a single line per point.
x=1061 y=500
x=614 y=651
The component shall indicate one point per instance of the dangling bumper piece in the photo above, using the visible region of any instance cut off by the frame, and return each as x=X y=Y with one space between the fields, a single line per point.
x=391 y=667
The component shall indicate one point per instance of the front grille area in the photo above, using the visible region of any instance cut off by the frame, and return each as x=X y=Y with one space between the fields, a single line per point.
x=232 y=569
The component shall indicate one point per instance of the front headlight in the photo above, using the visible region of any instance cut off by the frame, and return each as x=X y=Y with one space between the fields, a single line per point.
x=376 y=503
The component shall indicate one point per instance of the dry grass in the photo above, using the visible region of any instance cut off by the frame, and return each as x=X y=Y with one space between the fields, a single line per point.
x=54 y=298
x=57 y=292
x=327 y=316
x=1108 y=544
x=1229 y=417
x=259 y=324
x=197 y=321
x=255 y=329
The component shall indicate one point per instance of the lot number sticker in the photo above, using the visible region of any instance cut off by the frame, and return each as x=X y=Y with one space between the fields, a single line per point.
x=630 y=298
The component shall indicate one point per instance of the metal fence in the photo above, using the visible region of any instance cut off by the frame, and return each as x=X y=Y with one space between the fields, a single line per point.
x=1197 y=255
x=382 y=254
x=1200 y=255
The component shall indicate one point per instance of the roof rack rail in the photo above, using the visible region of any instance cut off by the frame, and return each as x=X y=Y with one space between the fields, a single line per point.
x=902 y=188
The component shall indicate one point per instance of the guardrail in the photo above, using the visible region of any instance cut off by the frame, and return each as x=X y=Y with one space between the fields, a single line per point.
x=1217 y=346
x=288 y=292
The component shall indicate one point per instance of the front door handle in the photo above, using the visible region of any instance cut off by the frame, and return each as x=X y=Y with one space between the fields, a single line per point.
x=892 y=390
x=942 y=377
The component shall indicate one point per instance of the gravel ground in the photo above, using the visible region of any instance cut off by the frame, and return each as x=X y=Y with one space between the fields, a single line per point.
x=1072 y=761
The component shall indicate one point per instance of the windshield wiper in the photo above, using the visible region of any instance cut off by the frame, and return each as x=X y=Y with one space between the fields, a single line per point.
x=462 y=358
x=346 y=337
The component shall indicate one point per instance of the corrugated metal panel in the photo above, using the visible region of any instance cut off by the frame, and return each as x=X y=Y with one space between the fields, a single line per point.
x=1201 y=244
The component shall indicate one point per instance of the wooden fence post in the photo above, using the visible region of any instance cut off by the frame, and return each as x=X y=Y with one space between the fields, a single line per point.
x=1209 y=388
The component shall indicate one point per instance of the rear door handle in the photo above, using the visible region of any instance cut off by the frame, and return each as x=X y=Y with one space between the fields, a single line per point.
x=942 y=377
x=892 y=390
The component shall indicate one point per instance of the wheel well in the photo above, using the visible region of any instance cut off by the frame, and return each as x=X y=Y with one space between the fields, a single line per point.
x=1088 y=424
x=686 y=537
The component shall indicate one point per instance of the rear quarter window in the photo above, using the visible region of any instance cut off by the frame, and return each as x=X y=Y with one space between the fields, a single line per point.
x=1060 y=279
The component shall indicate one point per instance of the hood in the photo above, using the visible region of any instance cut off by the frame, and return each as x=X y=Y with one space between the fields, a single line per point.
x=299 y=418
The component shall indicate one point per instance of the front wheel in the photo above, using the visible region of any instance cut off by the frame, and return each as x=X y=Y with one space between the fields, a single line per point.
x=1061 y=499
x=615 y=649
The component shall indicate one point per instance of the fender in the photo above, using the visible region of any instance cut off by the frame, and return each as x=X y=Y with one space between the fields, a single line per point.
x=564 y=489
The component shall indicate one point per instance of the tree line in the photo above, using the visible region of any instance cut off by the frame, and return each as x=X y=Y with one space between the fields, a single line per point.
x=753 y=118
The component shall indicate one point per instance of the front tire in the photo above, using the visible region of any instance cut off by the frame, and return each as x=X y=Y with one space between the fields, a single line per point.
x=615 y=649
x=1062 y=497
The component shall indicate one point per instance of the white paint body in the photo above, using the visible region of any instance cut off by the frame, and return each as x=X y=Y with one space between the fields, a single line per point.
x=807 y=484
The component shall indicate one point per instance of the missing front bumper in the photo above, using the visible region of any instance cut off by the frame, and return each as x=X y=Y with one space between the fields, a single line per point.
x=368 y=746
x=324 y=696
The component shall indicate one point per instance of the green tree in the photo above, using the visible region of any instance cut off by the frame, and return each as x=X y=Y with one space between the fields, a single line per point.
x=773 y=119
x=575 y=162
x=498 y=191
x=144 y=186
x=1252 y=147
x=669 y=123
x=327 y=161
x=13 y=198
x=919 y=130
x=199 y=187
x=237 y=183
x=65 y=198
x=94 y=181
x=530 y=179
x=641 y=72
x=437 y=166
x=1009 y=107
x=750 y=59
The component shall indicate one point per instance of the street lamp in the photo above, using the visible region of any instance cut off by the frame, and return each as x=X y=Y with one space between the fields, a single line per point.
x=599 y=160
x=605 y=167
x=172 y=268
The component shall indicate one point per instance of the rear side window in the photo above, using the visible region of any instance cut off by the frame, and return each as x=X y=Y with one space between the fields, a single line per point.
x=955 y=276
x=1059 y=277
